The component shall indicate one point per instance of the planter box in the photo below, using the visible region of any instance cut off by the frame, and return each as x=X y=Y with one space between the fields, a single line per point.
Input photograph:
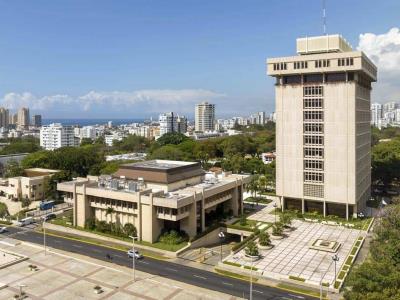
x=276 y=237
x=265 y=247
x=251 y=258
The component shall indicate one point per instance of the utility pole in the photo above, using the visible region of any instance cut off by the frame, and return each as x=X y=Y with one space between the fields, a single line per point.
x=133 y=256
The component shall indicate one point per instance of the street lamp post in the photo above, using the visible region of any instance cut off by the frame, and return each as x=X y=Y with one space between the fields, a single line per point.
x=335 y=258
x=251 y=281
x=44 y=236
x=221 y=236
x=20 y=290
x=133 y=256
x=275 y=206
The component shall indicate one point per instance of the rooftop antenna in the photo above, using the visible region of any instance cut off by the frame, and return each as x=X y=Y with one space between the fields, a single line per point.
x=324 y=15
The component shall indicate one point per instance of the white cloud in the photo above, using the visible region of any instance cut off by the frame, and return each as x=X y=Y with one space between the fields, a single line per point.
x=115 y=100
x=384 y=51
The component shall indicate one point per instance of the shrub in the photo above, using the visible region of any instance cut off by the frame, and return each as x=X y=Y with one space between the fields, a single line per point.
x=243 y=221
x=264 y=239
x=90 y=223
x=130 y=230
x=251 y=249
x=286 y=219
x=277 y=229
x=173 y=237
x=103 y=226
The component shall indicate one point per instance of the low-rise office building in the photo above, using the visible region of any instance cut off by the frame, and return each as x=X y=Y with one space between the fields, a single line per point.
x=156 y=195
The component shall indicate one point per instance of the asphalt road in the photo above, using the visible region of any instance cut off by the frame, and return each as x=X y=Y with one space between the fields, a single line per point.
x=166 y=269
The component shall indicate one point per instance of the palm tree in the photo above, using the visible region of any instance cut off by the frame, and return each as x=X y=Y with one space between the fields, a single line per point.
x=110 y=211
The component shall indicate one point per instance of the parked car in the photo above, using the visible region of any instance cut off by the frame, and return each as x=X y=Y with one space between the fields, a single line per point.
x=3 y=229
x=135 y=254
x=49 y=217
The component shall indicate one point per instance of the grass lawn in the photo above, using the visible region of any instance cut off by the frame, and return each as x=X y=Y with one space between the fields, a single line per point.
x=259 y=199
x=300 y=290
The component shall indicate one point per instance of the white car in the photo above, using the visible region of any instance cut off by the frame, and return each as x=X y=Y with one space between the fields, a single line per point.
x=135 y=254
x=3 y=229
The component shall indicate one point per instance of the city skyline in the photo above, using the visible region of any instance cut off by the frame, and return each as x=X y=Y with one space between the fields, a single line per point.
x=202 y=54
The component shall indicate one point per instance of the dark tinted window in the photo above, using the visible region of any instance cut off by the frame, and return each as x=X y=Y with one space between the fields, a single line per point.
x=292 y=79
x=332 y=77
x=313 y=78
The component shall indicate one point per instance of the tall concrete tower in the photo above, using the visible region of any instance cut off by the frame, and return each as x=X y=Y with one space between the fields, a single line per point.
x=205 y=117
x=323 y=136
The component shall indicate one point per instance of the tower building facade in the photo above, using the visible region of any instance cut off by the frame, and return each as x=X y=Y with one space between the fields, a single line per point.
x=323 y=135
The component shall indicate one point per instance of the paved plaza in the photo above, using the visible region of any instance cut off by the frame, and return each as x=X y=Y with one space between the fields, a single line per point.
x=292 y=256
x=71 y=276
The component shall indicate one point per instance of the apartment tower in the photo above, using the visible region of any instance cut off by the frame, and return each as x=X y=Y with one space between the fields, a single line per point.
x=323 y=136
x=23 y=118
x=205 y=117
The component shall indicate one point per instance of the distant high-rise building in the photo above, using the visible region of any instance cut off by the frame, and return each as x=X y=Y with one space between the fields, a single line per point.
x=171 y=122
x=13 y=119
x=55 y=136
x=4 y=117
x=376 y=114
x=37 y=120
x=205 y=117
x=323 y=133
x=23 y=117
x=389 y=107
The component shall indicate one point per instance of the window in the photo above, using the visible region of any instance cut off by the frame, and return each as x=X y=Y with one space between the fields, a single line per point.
x=313 y=103
x=313 y=90
x=313 y=128
x=313 y=140
x=300 y=65
x=313 y=116
x=317 y=165
x=313 y=177
x=280 y=66
x=322 y=63
x=313 y=152
x=335 y=77
x=314 y=190
x=313 y=78
x=292 y=79
x=349 y=61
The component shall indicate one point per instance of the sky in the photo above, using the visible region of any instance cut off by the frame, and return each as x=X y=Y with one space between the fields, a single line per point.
x=135 y=59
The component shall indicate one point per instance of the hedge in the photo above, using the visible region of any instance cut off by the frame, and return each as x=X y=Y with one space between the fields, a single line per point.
x=297 y=278
x=242 y=243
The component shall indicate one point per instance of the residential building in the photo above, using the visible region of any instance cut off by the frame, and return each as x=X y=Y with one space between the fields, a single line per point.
x=171 y=122
x=55 y=136
x=323 y=134
x=30 y=186
x=156 y=195
x=88 y=132
x=268 y=157
x=4 y=117
x=205 y=117
x=376 y=114
x=23 y=118
x=181 y=124
x=13 y=119
x=37 y=120
x=114 y=136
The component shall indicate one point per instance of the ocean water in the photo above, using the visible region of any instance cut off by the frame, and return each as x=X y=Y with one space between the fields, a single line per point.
x=87 y=122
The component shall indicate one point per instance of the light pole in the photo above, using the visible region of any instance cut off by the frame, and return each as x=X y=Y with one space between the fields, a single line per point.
x=251 y=281
x=133 y=256
x=335 y=258
x=221 y=236
x=275 y=206
x=20 y=290
x=44 y=236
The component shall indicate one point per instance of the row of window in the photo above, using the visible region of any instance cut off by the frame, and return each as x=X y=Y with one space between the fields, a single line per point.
x=313 y=103
x=313 y=128
x=317 y=165
x=313 y=177
x=313 y=90
x=311 y=140
x=313 y=152
x=349 y=61
x=280 y=66
x=300 y=65
x=313 y=116
x=322 y=63
x=314 y=190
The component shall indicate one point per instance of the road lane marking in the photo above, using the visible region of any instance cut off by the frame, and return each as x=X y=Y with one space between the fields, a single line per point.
x=226 y=283
x=143 y=262
x=172 y=269
x=57 y=241
x=296 y=296
x=255 y=291
x=77 y=246
x=118 y=255
x=201 y=277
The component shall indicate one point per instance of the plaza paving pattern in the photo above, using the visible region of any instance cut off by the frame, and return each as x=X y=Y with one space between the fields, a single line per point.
x=292 y=256
x=71 y=277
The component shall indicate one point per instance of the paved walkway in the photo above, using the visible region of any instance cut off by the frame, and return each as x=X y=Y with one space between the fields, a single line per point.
x=265 y=214
x=292 y=256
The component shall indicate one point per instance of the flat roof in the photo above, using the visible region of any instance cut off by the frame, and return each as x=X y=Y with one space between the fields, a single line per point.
x=159 y=164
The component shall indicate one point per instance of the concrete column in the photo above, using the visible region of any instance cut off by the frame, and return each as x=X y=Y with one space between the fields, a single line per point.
x=139 y=216
x=302 y=206
x=282 y=203
x=324 y=205
x=74 y=215
x=347 y=211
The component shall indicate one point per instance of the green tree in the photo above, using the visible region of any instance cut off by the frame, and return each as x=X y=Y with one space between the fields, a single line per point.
x=286 y=219
x=277 y=229
x=386 y=162
x=25 y=202
x=172 y=138
x=168 y=152
x=110 y=211
x=86 y=141
x=21 y=145
x=90 y=223
x=3 y=210
x=13 y=169
x=264 y=239
x=130 y=230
